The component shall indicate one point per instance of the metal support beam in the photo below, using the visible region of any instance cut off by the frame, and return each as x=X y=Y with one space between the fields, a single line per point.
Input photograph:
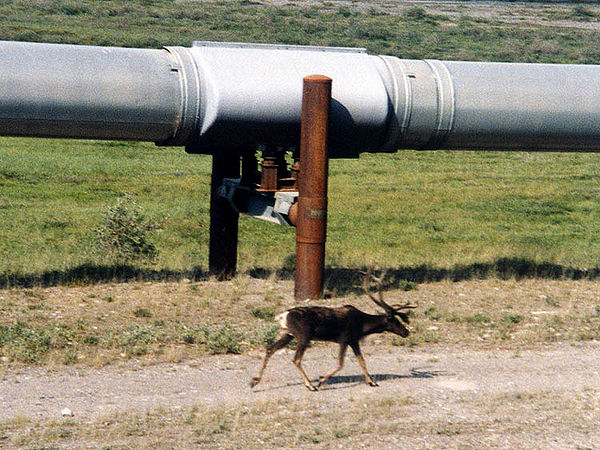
x=311 y=222
x=222 y=253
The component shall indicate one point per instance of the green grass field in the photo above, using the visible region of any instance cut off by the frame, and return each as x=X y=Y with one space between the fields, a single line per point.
x=417 y=211
x=427 y=215
x=546 y=32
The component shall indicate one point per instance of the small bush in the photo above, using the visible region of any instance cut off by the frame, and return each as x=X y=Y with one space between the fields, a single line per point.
x=511 y=318
x=136 y=339
x=91 y=340
x=406 y=285
x=222 y=340
x=410 y=341
x=24 y=344
x=142 y=312
x=264 y=313
x=478 y=319
x=124 y=234
x=268 y=334
x=432 y=314
x=189 y=338
x=338 y=434
x=70 y=358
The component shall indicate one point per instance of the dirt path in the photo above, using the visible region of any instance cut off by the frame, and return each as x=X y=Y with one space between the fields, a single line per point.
x=558 y=387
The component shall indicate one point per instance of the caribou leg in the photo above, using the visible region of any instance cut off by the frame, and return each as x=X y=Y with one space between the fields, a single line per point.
x=298 y=362
x=341 y=355
x=363 y=365
x=277 y=345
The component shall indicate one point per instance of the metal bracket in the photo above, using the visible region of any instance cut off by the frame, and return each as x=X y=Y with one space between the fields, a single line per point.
x=272 y=207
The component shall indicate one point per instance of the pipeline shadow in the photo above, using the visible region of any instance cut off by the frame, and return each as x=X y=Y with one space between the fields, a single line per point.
x=339 y=281
x=87 y=274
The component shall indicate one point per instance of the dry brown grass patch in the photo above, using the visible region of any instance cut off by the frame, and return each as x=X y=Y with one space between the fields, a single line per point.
x=174 y=321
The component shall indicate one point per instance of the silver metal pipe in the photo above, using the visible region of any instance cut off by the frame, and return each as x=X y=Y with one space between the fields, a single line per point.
x=497 y=106
x=50 y=90
x=218 y=95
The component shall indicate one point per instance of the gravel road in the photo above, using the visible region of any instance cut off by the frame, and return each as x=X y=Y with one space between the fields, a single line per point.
x=555 y=389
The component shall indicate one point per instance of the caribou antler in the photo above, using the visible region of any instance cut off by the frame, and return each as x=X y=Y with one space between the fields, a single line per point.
x=391 y=309
x=366 y=286
x=379 y=302
x=402 y=306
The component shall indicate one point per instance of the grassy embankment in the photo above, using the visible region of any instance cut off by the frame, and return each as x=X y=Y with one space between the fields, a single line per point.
x=459 y=211
x=425 y=215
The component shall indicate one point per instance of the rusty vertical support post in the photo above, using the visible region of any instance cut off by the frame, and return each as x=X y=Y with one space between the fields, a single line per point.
x=312 y=188
x=223 y=240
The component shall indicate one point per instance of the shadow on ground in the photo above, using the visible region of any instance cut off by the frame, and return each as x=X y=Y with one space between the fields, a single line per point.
x=348 y=381
x=87 y=274
x=357 y=379
x=339 y=281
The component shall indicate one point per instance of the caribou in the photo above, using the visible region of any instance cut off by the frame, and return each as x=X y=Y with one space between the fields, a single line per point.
x=345 y=325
